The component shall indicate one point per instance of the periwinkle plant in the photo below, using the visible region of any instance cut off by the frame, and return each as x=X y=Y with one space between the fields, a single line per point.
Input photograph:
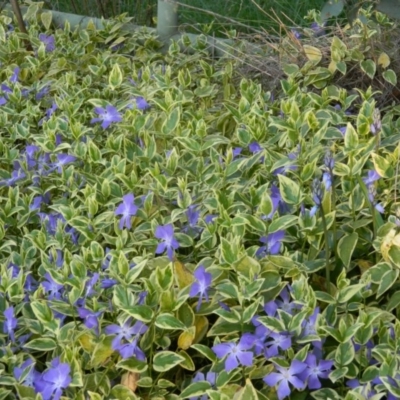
x=190 y=244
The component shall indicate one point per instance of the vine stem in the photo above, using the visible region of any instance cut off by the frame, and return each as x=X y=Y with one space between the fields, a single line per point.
x=327 y=258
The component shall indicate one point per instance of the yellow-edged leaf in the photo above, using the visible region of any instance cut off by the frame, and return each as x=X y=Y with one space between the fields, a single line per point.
x=384 y=60
x=312 y=53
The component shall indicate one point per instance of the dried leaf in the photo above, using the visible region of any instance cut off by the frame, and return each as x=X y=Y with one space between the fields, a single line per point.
x=129 y=380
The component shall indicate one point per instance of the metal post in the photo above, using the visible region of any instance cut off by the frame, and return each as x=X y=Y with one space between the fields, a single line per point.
x=167 y=18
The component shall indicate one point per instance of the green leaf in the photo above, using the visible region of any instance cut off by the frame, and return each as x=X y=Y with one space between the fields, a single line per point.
x=188 y=362
x=101 y=352
x=273 y=324
x=42 y=311
x=172 y=121
x=196 y=389
x=227 y=251
x=344 y=353
x=332 y=8
x=326 y=394
x=290 y=190
x=247 y=393
x=122 y=392
x=369 y=67
x=142 y=313
x=166 y=360
x=132 y=364
x=46 y=18
x=348 y=292
x=382 y=166
x=338 y=374
x=168 y=321
x=390 y=76
x=282 y=223
x=393 y=302
x=350 y=138
x=205 y=351
x=116 y=77
x=314 y=54
x=42 y=344
x=346 y=247
x=387 y=281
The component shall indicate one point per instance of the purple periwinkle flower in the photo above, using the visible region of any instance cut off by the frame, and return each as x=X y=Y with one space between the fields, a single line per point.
x=107 y=116
x=201 y=285
x=296 y=33
x=50 y=111
x=42 y=92
x=315 y=370
x=125 y=331
x=53 y=289
x=90 y=285
x=277 y=202
x=327 y=180
x=38 y=200
x=376 y=125
x=59 y=261
x=14 y=76
x=166 y=233
x=275 y=342
x=16 y=176
x=284 y=376
x=236 y=151
x=318 y=29
x=237 y=353
x=107 y=283
x=90 y=318
x=255 y=147
x=371 y=177
x=365 y=390
x=343 y=130
x=127 y=209
x=317 y=192
x=132 y=349
x=208 y=219
x=210 y=377
x=272 y=244
x=49 y=42
x=285 y=302
x=192 y=215
x=62 y=160
x=31 y=377
x=142 y=104
x=54 y=380
x=10 y=322
x=329 y=161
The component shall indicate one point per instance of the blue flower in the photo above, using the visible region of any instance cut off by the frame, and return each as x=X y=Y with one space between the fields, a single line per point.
x=237 y=353
x=284 y=376
x=125 y=331
x=49 y=42
x=127 y=209
x=90 y=318
x=201 y=285
x=107 y=115
x=314 y=371
x=272 y=244
x=210 y=377
x=54 y=380
x=10 y=322
x=29 y=378
x=166 y=233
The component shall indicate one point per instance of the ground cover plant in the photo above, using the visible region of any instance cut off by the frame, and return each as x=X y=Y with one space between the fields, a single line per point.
x=193 y=14
x=166 y=233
